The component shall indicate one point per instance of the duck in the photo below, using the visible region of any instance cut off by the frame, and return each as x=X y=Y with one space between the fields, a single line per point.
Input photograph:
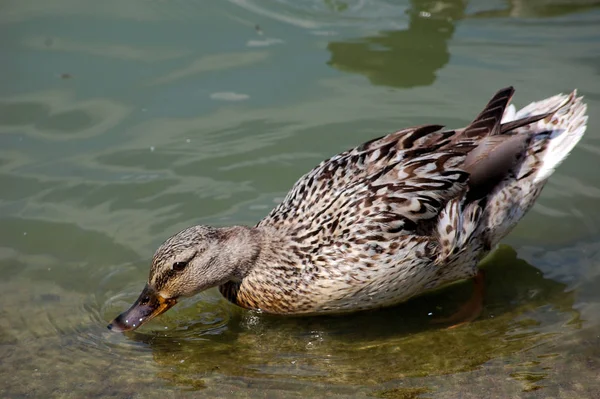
x=378 y=224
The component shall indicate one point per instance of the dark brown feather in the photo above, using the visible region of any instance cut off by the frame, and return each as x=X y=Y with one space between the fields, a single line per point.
x=488 y=121
x=492 y=160
x=512 y=125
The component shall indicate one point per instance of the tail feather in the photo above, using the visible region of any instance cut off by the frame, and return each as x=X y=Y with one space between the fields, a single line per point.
x=552 y=139
x=556 y=134
x=488 y=121
x=512 y=125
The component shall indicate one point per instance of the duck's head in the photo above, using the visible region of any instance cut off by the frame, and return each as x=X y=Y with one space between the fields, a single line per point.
x=189 y=262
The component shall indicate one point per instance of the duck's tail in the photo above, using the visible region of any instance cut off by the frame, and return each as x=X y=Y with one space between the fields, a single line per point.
x=553 y=136
x=552 y=139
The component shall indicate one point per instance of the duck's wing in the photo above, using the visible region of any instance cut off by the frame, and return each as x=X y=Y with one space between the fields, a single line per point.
x=398 y=184
x=338 y=187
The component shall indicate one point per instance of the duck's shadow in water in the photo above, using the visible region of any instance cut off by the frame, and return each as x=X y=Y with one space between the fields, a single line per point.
x=396 y=342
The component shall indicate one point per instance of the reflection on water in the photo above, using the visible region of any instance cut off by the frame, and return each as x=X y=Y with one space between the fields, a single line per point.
x=176 y=112
x=403 y=58
x=325 y=17
x=538 y=8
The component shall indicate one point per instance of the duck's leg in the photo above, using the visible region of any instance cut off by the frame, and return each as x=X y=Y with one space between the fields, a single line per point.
x=470 y=310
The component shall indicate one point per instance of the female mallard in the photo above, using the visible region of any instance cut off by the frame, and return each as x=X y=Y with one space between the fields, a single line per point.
x=378 y=224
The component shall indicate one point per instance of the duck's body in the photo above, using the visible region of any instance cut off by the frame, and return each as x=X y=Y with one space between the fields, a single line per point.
x=385 y=221
x=392 y=218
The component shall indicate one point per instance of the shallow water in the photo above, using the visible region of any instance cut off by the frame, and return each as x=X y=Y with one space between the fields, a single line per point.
x=123 y=122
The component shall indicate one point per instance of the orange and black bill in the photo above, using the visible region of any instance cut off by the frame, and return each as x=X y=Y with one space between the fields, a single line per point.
x=149 y=305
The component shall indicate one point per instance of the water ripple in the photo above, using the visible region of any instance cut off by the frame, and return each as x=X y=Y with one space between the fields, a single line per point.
x=322 y=15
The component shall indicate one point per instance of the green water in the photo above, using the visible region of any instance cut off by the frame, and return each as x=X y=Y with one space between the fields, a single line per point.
x=122 y=122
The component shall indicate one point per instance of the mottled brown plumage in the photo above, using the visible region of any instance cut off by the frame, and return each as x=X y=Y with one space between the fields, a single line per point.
x=382 y=222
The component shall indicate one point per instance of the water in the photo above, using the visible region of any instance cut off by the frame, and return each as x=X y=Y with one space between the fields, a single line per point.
x=123 y=122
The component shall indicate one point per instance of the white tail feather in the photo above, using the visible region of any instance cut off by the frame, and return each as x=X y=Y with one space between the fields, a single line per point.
x=566 y=128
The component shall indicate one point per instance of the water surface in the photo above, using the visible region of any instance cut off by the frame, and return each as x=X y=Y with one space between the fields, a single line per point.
x=122 y=122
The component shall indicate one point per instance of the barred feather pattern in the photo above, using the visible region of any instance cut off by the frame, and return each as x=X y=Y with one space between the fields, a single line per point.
x=407 y=212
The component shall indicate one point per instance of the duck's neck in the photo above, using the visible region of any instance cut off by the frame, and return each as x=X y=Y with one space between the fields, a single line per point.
x=242 y=247
x=263 y=266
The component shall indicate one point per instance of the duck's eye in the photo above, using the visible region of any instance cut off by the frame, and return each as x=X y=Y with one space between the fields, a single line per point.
x=179 y=266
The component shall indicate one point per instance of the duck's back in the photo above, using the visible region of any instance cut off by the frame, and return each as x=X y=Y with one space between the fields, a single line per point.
x=386 y=186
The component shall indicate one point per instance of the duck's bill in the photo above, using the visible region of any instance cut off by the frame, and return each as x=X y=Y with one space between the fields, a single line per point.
x=149 y=305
